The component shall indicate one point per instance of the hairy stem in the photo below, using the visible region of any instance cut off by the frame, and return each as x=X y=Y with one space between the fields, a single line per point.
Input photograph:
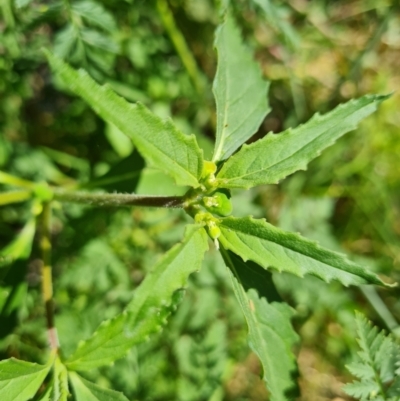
x=117 y=200
x=47 y=283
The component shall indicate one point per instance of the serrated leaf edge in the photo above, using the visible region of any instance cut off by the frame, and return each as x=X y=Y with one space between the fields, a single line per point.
x=125 y=315
x=58 y=65
x=219 y=153
x=271 y=136
x=364 y=274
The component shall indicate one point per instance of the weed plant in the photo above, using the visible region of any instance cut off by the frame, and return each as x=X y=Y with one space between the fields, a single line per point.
x=120 y=179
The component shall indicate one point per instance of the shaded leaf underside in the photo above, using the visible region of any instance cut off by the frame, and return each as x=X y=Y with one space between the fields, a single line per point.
x=271 y=335
x=272 y=247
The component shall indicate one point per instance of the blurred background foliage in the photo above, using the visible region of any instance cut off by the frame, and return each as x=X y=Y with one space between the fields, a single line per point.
x=316 y=54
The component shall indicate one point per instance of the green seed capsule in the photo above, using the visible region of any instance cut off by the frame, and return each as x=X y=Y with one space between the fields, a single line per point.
x=218 y=204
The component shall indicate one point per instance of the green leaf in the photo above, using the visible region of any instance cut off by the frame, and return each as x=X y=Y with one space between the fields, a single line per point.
x=367 y=390
x=20 y=247
x=271 y=335
x=274 y=248
x=376 y=365
x=60 y=381
x=95 y=14
x=65 y=41
x=87 y=391
x=159 y=141
x=14 y=197
x=16 y=181
x=97 y=39
x=361 y=370
x=20 y=380
x=149 y=308
x=277 y=155
x=239 y=90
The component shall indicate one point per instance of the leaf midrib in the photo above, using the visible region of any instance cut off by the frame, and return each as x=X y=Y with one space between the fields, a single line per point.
x=290 y=131
x=217 y=153
x=147 y=143
x=274 y=165
x=257 y=330
x=298 y=251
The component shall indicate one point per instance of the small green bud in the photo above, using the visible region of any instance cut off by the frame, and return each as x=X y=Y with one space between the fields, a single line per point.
x=218 y=203
x=208 y=175
x=213 y=230
x=43 y=192
x=209 y=168
x=201 y=217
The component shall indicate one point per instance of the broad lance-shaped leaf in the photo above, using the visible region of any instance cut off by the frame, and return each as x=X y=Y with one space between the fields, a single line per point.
x=284 y=251
x=271 y=335
x=20 y=380
x=239 y=90
x=85 y=390
x=152 y=302
x=159 y=141
x=274 y=157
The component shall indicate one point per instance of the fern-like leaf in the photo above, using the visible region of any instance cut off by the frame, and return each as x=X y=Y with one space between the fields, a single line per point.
x=377 y=365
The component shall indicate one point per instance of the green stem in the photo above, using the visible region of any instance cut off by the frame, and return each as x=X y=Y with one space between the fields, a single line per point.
x=299 y=99
x=380 y=307
x=117 y=200
x=180 y=44
x=47 y=282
